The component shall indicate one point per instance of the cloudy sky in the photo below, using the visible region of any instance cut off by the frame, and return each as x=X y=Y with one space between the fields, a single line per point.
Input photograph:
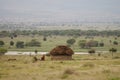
x=61 y=9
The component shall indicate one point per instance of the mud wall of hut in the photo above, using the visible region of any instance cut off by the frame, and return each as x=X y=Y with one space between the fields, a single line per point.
x=61 y=57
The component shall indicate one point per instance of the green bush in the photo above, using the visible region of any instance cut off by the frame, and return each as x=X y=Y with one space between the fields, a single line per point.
x=82 y=43
x=20 y=44
x=33 y=43
x=3 y=51
x=2 y=43
x=71 y=41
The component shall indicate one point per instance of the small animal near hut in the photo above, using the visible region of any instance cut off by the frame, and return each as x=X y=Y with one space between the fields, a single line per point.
x=61 y=53
x=43 y=58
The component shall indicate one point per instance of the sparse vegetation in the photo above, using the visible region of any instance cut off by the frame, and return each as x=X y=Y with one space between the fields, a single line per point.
x=82 y=67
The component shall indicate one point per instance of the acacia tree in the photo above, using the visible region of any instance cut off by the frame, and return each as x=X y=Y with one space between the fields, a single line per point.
x=82 y=43
x=20 y=44
x=33 y=43
x=2 y=43
x=70 y=42
x=11 y=43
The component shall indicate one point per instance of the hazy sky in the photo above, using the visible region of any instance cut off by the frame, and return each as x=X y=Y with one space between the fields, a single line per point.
x=60 y=9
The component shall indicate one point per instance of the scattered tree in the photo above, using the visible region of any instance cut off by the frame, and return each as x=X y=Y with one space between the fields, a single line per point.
x=115 y=43
x=91 y=51
x=92 y=43
x=82 y=43
x=33 y=43
x=11 y=43
x=3 y=51
x=71 y=41
x=2 y=43
x=20 y=44
x=113 y=50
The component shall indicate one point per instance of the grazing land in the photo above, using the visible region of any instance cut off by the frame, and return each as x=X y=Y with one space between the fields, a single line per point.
x=105 y=66
x=82 y=67
x=53 y=41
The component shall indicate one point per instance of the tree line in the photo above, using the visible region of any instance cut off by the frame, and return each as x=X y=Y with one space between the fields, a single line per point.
x=61 y=33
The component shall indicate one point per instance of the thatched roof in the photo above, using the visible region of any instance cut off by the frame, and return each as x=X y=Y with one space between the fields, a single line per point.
x=61 y=50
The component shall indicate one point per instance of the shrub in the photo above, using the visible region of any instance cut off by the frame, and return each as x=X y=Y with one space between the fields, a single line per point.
x=2 y=43
x=115 y=43
x=82 y=43
x=85 y=44
x=113 y=50
x=20 y=44
x=33 y=43
x=101 y=44
x=91 y=51
x=71 y=41
x=3 y=51
x=11 y=43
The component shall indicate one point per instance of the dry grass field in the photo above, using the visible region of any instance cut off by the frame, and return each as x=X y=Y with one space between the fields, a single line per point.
x=82 y=67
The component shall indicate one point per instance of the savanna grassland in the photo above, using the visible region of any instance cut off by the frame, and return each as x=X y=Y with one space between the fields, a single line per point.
x=82 y=67
x=53 y=41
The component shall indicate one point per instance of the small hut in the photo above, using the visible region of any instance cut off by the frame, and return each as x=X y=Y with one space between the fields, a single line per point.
x=61 y=53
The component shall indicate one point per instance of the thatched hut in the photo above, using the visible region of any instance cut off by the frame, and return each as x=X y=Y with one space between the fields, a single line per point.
x=61 y=53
